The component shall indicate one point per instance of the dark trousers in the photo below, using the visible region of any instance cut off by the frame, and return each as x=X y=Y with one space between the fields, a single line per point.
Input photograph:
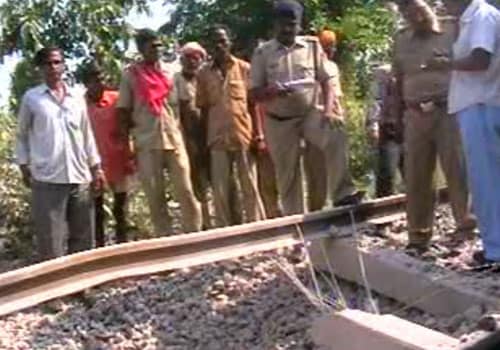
x=63 y=215
x=390 y=160
x=119 y=214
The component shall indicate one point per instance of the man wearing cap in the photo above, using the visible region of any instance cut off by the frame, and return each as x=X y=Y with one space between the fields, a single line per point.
x=222 y=96
x=194 y=127
x=314 y=159
x=285 y=75
x=146 y=92
x=430 y=132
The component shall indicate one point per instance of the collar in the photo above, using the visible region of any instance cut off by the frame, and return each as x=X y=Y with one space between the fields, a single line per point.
x=299 y=41
x=471 y=10
x=231 y=62
x=44 y=88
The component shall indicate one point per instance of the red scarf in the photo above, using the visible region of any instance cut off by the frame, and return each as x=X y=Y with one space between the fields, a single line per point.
x=152 y=87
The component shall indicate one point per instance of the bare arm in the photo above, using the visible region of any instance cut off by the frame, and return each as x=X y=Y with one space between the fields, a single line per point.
x=478 y=60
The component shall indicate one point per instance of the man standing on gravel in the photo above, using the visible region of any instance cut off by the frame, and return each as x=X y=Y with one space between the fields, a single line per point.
x=193 y=126
x=117 y=158
x=144 y=109
x=315 y=162
x=285 y=75
x=58 y=157
x=233 y=127
x=430 y=132
x=475 y=97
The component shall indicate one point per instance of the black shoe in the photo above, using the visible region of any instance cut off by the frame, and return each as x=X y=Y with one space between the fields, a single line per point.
x=352 y=199
x=479 y=263
x=416 y=249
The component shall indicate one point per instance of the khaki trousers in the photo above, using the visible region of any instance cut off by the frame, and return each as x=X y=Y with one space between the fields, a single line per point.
x=151 y=166
x=200 y=178
x=267 y=185
x=429 y=137
x=225 y=166
x=284 y=138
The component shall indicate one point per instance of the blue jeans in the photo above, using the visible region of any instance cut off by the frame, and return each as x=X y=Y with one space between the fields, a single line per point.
x=480 y=129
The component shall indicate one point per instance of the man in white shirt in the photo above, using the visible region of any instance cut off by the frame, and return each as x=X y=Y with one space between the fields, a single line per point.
x=58 y=158
x=475 y=96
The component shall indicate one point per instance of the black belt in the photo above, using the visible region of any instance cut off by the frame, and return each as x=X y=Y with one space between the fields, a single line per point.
x=280 y=118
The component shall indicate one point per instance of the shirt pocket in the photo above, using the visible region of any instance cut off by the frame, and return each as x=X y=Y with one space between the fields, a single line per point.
x=304 y=70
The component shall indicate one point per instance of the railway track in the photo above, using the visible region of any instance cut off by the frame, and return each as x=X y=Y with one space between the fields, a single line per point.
x=32 y=285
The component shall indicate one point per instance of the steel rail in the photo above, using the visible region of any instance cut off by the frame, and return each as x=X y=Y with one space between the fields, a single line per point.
x=35 y=284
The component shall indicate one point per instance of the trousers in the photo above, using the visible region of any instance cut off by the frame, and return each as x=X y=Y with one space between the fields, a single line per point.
x=63 y=215
x=227 y=168
x=480 y=129
x=152 y=164
x=330 y=145
x=429 y=137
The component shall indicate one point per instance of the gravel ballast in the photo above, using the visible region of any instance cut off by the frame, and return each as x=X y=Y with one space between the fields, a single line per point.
x=242 y=304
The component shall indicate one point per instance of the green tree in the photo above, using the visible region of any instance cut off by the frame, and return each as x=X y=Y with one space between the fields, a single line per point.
x=83 y=29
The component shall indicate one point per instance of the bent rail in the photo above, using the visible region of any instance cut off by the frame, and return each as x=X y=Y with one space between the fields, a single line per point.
x=32 y=285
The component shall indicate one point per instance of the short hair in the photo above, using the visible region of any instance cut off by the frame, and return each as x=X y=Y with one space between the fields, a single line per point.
x=220 y=26
x=42 y=54
x=145 y=36
x=427 y=9
x=90 y=70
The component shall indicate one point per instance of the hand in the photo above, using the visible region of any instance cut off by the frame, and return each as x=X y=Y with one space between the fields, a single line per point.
x=335 y=120
x=277 y=90
x=98 y=180
x=26 y=175
x=259 y=144
x=438 y=62
x=373 y=136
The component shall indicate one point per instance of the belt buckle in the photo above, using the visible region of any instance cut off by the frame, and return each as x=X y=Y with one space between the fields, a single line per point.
x=427 y=107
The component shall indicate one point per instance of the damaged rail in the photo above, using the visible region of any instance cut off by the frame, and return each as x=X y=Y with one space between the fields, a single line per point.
x=32 y=285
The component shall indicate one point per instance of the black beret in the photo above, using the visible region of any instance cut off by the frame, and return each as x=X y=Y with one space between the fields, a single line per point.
x=289 y=9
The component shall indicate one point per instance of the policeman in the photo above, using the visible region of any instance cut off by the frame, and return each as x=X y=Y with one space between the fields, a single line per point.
x=429 y=131
x=314 y=158
x=285 y=75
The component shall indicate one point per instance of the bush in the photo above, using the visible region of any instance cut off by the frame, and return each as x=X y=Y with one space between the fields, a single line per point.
x=14 y=198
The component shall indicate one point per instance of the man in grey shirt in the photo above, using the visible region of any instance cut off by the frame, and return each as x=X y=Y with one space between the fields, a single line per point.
x=58 y=158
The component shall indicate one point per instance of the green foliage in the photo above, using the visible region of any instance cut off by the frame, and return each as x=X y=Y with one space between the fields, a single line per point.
x=24 y=77
x=83 y=29
x=366 y=38
x=14 y=198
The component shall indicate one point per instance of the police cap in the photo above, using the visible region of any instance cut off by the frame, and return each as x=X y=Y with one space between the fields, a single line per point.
x=289 y=9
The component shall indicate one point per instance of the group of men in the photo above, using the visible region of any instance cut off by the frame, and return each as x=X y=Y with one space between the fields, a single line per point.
x=439 y=100
x=230 y=134
x=235 y=136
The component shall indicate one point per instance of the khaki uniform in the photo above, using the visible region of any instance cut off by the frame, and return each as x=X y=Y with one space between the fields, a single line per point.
x=314 y=160
x=268 y=187
x=430 y=133
x=296 y=117
x=159 y=145
x=194 y=130
x=229 y=136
